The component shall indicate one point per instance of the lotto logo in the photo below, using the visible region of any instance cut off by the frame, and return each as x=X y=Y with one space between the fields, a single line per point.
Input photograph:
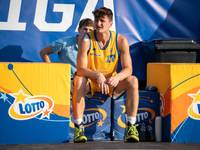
x=91 y=116
x=194 y=109
x=142 y=115
x=27 y=107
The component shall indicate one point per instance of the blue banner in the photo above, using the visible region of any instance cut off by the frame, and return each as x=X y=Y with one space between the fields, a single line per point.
x=26 y=26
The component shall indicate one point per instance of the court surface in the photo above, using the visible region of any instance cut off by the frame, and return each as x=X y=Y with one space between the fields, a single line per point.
x=103 y=145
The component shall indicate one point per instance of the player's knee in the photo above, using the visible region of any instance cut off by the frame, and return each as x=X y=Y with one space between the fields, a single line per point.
x=132 y=81
x=79 y=80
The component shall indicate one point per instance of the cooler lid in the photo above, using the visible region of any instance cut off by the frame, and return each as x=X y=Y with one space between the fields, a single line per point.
x=173 y=40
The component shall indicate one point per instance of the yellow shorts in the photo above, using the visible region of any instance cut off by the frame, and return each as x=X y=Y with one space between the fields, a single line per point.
x=95 y=88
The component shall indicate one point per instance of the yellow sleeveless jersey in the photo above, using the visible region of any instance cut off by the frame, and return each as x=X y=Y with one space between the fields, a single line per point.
x=102 y=60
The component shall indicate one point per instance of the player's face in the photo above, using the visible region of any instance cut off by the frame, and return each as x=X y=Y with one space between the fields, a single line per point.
x=85 y=29
x=102 y=24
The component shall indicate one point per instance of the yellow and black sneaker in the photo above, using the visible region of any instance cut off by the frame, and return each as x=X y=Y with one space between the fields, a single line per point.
x=79 y=136
x=132 y=134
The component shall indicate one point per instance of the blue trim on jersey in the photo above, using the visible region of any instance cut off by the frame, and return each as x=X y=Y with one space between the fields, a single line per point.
x=98 y=42
x=117 y=44
x=90 y=43
x=108 y=40
x=96 y=39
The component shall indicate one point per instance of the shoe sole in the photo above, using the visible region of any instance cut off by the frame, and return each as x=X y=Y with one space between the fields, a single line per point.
x=132 y=139
x=82 y=141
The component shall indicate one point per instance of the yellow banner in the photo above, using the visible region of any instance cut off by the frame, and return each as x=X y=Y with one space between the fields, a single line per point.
x=178 y=84
x=36 y=88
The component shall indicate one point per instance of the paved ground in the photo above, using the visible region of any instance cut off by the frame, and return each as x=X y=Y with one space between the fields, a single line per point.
x=104 y=145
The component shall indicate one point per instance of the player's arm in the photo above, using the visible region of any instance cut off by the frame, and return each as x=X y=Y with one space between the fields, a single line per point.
x=125 y=56
x=126 y=62
x=82 y=63
x=45 y=52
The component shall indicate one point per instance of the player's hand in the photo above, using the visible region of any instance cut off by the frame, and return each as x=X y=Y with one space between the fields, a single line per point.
x=103 y=86
x=113 y=81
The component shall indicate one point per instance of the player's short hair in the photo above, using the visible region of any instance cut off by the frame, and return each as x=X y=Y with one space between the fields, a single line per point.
x=86 y=22
x=102 y=11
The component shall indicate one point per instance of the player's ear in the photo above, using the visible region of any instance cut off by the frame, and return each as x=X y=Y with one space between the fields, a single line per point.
x=79 y=30
x=111 y=23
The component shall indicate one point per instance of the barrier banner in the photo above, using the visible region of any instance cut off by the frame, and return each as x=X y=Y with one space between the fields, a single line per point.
x=96 y=118
x=26 y=26
x=34 y=103
x=149 y=104
x=178 y=84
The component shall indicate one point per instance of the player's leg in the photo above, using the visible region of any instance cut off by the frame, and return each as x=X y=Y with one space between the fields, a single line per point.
x=71 y=89
x=81 y=86
x=130 y=84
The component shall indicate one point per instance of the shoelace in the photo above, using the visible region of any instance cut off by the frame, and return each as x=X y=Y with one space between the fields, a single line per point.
x=79 y=132
x=133 y=130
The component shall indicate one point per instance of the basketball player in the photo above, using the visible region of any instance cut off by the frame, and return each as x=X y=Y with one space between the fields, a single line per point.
x=97 y=60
